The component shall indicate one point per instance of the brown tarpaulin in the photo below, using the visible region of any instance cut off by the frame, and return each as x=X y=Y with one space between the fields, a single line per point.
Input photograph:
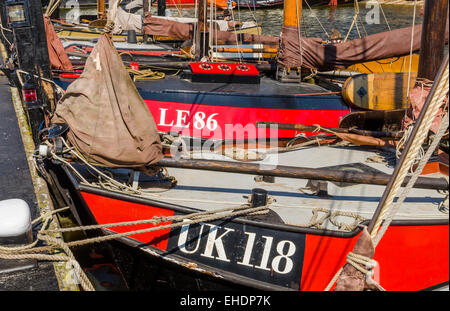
x=109 y=123
x=58 y=57
x=183 y=31
x=163 y=27
x=341 y=55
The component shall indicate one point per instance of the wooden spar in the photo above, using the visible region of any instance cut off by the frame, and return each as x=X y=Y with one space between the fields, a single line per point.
x=101 y=9
x=433 y=43
x=327 y=174
x=311 y=128
x=200 y=26
x=291 y=17
x=247 y=50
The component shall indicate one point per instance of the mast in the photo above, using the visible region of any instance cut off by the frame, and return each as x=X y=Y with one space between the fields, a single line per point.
x=200 y=27
x=291 y=33
x=101 y=9
x=290 y=13
x=433 y=43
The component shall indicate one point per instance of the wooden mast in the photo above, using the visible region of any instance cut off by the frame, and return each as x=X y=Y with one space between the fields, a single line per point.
x=432 y=42
x=200 y=27
x=101 y=9
x=292 y=13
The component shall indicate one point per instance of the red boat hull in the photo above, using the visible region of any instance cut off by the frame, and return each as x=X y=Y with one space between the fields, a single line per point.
x=200 y=110
x=412 y=255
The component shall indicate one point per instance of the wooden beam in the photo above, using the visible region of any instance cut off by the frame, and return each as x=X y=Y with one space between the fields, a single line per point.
x=433 y=42
x=328 y=174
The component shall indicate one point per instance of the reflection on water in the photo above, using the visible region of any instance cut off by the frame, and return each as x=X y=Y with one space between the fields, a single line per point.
x=339 y=18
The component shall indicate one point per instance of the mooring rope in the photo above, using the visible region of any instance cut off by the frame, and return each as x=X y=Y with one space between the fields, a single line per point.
x=30 y=251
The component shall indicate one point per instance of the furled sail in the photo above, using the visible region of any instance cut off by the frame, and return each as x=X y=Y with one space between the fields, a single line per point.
x=316 y=55
x=185 y=31
x=109 y=123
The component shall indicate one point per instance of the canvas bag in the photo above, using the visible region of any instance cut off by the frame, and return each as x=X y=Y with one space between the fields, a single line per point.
x=109 y=123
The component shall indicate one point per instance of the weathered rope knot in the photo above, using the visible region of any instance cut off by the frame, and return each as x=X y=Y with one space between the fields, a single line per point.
x=109 y=27
x=366 y=266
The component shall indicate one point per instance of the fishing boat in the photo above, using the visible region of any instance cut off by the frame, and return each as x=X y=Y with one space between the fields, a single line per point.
x=251 y=216
x=201 y=98
x=260 y=207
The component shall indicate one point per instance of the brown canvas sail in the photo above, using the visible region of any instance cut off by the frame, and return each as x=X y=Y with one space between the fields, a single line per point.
x=185 y=31
x=316 y=55
x=109 y=123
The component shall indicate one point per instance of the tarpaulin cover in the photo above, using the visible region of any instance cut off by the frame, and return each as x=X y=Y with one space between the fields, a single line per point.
x=316 y=55
x=109 y=123
x=185 y=31
x=127 y=21
x=163 y=27
x=58 y=57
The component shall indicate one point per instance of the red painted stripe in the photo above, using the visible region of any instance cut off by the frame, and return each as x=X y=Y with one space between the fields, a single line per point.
x=410 y=258
x=197 y=120
x=107 y=210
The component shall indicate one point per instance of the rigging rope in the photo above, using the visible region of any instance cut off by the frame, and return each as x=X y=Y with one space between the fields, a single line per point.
x=438 y=94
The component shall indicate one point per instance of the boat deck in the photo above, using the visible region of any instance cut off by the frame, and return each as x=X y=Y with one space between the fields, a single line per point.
x=267 y=87
x=292 y=202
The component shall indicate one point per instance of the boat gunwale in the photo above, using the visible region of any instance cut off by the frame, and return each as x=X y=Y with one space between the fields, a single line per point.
x=284 y=227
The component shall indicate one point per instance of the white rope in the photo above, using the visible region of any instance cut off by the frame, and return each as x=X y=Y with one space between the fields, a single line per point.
x=394 y=209
x=441 y=90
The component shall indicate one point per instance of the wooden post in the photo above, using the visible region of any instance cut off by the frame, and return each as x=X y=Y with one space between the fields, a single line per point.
x=432 y=44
